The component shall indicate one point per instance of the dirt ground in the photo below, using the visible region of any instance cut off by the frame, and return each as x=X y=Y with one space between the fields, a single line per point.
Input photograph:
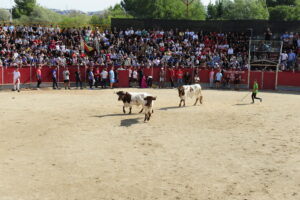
x=78 y=145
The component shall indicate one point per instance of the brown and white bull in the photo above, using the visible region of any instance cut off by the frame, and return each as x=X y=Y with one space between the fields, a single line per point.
x=190 y=91
x=148 y=106
x=132 y=99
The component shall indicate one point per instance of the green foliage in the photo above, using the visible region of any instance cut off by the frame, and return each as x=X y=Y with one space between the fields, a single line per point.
x=113 y=12
x=238 y=10
x=246 y=9
x=215 y=11
x=164 y=9
x=23 y=7
x=273 y=3
x=75 y=20
x=4 y=15
x=40 y=15
x=285 y=12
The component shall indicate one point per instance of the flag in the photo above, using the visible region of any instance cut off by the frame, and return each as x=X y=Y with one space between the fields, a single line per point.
x=87 y=48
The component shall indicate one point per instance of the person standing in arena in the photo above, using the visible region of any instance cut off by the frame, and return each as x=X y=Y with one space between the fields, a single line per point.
x=66 y=75
x=211 y=78
x=162 y=75
x=255 y=91
x=78 y=78
x=97 y=77
x=172 y=76
x=17 y=76
x=218 y=79
x=112 y=77
x=104 y=75
x=91 y=78
x=54 y=78
x=39 y=76
x=179 y=77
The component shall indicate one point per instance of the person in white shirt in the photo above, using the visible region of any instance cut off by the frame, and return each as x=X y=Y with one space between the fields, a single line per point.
x=104 y=75
x=17 y=76
x=230 y=51
x=66 y=75
x=284 y=57
x=134 y=77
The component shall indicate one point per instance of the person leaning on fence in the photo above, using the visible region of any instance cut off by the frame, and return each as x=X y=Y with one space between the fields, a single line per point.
x=54 y=78
x=255 y=91
x=17 y=76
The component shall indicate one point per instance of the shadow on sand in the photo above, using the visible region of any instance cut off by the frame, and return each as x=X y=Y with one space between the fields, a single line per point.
x=114 y=115
x=171 y=108
x=129 y=122
x=242 y=104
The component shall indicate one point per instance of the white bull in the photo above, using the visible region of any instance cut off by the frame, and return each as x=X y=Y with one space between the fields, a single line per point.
x=190 y=91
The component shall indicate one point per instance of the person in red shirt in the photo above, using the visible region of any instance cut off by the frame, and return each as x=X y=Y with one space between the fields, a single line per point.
x=172 y=76
x=179 y=77
x=39 y=76
x=97 y=76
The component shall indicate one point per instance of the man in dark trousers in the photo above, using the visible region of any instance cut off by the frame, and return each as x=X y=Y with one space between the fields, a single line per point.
x=255 y=91
x=54 y=78
x=78 y=78
x=140 y=75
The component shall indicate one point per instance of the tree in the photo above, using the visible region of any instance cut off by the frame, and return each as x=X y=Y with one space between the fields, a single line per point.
x=288 y=11
x=245 y=9
x=215 y=11
x=4 y=15
x=113 y=12
x=273 y=3
x=164 y=9
x=282 y=13
x=41 y=15
x=23 y=7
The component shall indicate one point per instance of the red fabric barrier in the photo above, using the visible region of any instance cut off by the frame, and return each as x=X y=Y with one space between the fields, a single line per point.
x=156 y=72
x=1 y=74
x=269 y=80
x=284 y=78
x=123 y=77
x=204 y=76
x=255 y=76
x=46 y=74
x=8 y=75
x=289 y=79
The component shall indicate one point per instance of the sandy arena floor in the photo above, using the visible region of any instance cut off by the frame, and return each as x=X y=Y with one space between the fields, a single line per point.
x=77 y=145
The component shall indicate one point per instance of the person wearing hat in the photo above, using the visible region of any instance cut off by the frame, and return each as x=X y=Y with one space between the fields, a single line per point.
x=17 y=76
x=255 y=91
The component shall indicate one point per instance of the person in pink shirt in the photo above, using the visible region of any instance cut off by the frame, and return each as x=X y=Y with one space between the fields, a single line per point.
x=39 y=76
x=211 y=78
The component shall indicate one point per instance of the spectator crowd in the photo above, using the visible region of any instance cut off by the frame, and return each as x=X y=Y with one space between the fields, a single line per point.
x=132 y=49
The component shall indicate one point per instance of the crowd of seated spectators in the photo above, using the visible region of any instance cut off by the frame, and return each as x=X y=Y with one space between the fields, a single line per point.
x=52 y=46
